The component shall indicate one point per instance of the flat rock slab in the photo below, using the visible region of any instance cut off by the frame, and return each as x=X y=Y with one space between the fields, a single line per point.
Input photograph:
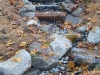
x=11 y=67
x=59 y=46
x=39 y=61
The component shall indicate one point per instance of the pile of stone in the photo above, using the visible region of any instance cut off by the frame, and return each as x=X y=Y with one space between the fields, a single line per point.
x=61 y=49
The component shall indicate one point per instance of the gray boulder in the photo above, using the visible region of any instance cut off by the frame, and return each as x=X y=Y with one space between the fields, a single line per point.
x=28 y=8
x=68 y=5
x=74 y=20
x=13 y=67
x=83 y=55
x=39 y=61
x=58 y=47
x=28 y=11
x=94 y=37
x=77 y=12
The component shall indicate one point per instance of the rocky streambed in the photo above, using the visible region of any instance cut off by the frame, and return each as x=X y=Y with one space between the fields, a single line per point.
x=64 y=43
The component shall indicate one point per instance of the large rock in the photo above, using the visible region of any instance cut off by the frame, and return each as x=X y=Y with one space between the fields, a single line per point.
x=84 y=54
x=28 y=8
x=12 y=67
x=77 y=12
x=28 y=11
x=68 y=5
x=59 y=47
x=94 y=36
x=74 y=20
x=38 y=59
x=80 y=55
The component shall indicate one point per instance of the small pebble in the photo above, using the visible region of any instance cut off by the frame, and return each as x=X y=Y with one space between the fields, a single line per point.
x=66 y=58
x=52 y=71
x=58 y=66
x=62 y=68
x=62 y=61
x=65 y=62
x=1 y=14
x=62 y=58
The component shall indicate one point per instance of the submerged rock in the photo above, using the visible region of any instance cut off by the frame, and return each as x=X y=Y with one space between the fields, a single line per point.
x=13 y=67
